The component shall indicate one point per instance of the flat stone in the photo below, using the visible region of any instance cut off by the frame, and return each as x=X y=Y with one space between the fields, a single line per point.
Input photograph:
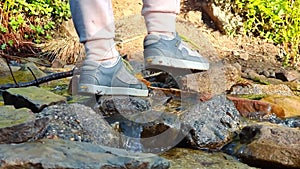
x=256 y=89
x=256 y=108
x=290 y=104
x=73 y=155
x=211 y=123
x=32 y=97
x=19 y=125
x=268 y=146
x=219 y=78
x=188 y=158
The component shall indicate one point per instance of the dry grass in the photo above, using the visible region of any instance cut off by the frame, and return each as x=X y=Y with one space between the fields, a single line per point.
x=67 y=49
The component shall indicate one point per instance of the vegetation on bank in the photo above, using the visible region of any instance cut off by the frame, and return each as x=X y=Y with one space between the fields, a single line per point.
x=275 y=20
x=27 y=22
x=24 y=22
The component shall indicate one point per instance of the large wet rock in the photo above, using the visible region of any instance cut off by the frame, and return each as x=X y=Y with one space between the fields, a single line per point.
x=211 y=123
x=79 y=123
x=187 y=158
x=19 y=125
x=67 y=154
x=267 y=145
x=219 y=78
x=290 y=104
x=32 y=97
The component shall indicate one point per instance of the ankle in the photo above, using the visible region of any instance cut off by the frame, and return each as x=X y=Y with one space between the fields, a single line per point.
x=164 y=35
x=109 y=62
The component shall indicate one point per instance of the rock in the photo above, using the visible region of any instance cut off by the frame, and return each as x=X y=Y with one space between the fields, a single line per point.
x=35 y=70
x=267 y=145
x=216 y=80
x=261 y=78
x=19 y=125
x=288 y=75
x=257 y=89
x=32 y=97
x=4 y=70
x=187 y=158
x=290 y=104
x=78 y=122
x=194 y=17
x=122 y=104
x=211 y=123
x=256 y=108
x=58 y=63
x=67 y=28
x=67 y=154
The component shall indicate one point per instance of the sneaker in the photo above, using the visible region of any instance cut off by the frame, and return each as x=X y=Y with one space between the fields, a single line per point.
x=99 y=80
x=159 y=51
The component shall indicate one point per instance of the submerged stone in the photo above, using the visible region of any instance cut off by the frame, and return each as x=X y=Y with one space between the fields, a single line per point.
x=267 y=145
x=32 y=97
x=72 y=155
x=19 y=125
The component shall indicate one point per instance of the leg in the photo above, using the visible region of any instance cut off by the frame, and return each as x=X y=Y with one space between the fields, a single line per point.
x=94 y=23
x=160 y=15
x=103 y=71
x=162 y=45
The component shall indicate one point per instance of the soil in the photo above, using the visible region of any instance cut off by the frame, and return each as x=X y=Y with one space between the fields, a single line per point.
x=250 y=53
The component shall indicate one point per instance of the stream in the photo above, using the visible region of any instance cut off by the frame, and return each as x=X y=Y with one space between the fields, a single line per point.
x=169 y=126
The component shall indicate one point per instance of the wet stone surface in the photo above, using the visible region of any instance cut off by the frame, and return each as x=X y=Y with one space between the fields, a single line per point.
x=189 y=159
x=32 y=97
x=212 y=123
x=77 y=122
x=62 y=154
x=267 y=145
x=20 y=125
x=149 y=131
x=110 y=105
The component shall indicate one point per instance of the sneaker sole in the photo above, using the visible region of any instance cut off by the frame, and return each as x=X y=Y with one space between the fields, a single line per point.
x=175 y=63
x=88 y=89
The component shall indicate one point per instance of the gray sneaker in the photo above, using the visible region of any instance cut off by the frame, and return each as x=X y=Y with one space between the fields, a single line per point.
x=96 y=79
x=159 y=51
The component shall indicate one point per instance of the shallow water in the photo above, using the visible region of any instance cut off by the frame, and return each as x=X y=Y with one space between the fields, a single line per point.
x=181 y=158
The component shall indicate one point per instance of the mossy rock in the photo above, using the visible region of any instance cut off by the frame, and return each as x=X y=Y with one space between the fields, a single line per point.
x=32 y=97
x=9 y=116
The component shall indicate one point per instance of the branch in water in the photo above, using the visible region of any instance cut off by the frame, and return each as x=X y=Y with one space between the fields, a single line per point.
x=54 y=76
